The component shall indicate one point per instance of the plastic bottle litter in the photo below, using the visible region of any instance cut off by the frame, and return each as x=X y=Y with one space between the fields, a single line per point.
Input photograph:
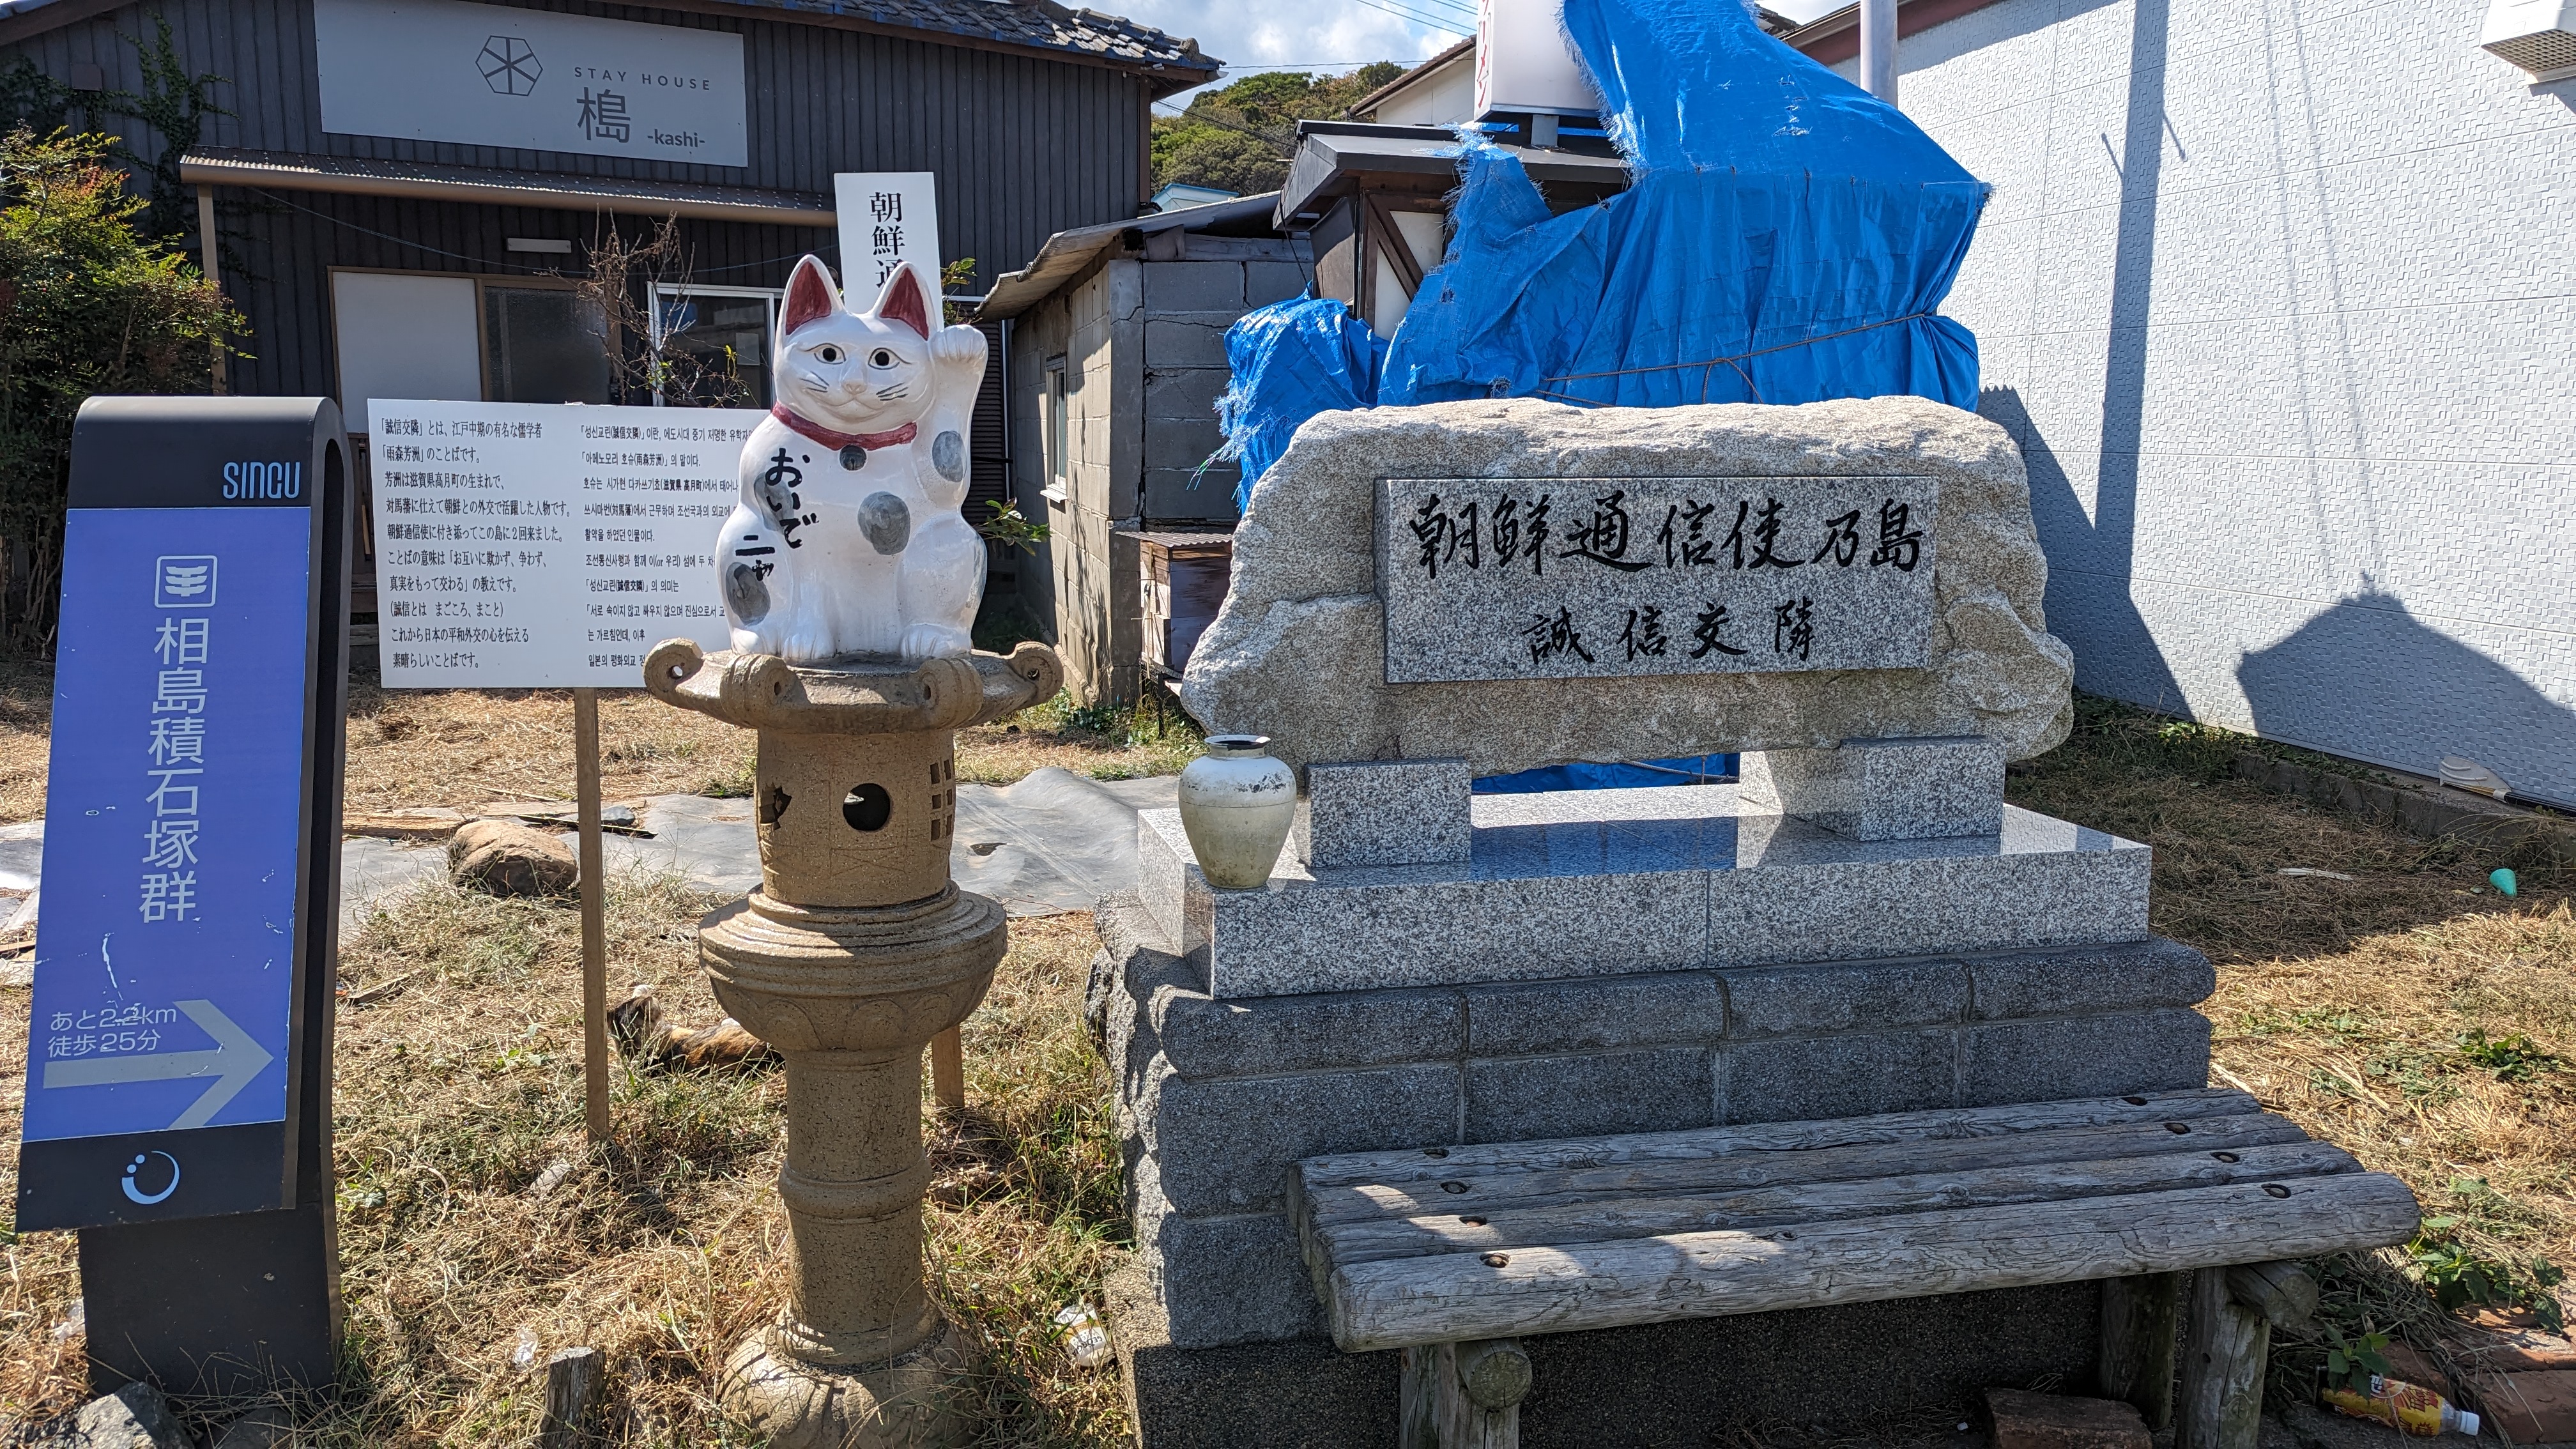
x=1086 y=1339
x=525 y=1355
x=78 y=1322
x=2503 y=880
x=2407 y=1408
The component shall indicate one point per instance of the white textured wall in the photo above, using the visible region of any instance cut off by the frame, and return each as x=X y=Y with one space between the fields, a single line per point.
x=2279 y=297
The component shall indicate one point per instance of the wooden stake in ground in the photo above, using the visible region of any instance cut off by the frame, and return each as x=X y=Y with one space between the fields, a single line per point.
x=594 y=924
x=948 y=1070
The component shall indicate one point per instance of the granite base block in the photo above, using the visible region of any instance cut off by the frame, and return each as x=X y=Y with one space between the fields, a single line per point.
x=1524 y=1099
x=1901 y=789
x=1386 y=812
x=1622 y=896
x=1300 y=1394
x=2077 y=981
x=1226 y=1146
x=1853 y=1074
x=1844 y=996
x=2084 y=1056
x=1593 y=1014
x=1625 y=1388
x=1248 y=1036
x=1225 y=1278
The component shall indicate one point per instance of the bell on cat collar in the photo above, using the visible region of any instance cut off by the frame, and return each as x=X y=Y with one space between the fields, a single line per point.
x=853 y=457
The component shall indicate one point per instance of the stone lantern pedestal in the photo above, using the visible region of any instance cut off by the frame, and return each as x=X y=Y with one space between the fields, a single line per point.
x=856 y=950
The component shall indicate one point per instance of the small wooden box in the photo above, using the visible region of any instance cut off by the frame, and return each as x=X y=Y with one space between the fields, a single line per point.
x=1185 y=579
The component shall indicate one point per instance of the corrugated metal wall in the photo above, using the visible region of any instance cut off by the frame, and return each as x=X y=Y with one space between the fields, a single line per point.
x=1023 y=148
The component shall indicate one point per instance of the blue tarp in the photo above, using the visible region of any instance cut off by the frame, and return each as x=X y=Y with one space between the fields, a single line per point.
x=1291 y=360
x=1787 y=239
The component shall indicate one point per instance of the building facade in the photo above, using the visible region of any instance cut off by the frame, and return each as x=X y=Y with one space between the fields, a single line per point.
x=2279 y=299
x=404 y=194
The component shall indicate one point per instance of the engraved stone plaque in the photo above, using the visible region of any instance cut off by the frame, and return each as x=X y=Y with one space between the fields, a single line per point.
x=1585 y=578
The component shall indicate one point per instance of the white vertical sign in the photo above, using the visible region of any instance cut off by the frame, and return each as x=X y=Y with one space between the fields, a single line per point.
x=887 y=218
x=546 y=545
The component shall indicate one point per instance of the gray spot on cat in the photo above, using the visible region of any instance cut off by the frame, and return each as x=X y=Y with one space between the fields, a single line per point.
x=886 y=522
x=948 y=455
x=746 y=594
x=854 y=457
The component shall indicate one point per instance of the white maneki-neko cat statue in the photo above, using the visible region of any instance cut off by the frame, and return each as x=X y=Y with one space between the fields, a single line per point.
x=849 y=538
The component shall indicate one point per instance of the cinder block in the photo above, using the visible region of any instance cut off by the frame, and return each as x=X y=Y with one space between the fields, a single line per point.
x=1226 y=1146
x=1185 y=494
x=1855 y=996
x=1180 y=444
x=1187 y=339
x=1252 y=1036
x=1791 y=1079
x=1522 y=1099
x=1594 y=1014
x=2085 y=1056
x=1387 y=812
x=1193 y=286
x=1186 y=393
x=2089 y=980
x=1268 y=282
x=1910 y=789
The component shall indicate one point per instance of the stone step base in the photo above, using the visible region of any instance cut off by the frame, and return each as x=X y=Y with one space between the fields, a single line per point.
x=1655 y=880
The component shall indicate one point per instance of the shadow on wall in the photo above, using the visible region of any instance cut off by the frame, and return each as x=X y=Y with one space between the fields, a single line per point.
x=2366 y=676
x=2088 y=605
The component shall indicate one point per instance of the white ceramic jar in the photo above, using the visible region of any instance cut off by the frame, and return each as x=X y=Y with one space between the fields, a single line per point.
x=1237 y=804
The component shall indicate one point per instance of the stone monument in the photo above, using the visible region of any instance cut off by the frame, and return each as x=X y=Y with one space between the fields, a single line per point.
x=1848 y=594
x=854 y=952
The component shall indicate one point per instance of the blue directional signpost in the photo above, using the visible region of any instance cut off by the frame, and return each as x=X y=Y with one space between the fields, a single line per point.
x=178 y=1063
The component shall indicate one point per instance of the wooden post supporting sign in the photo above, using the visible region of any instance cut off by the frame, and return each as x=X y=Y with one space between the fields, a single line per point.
x=594 y=923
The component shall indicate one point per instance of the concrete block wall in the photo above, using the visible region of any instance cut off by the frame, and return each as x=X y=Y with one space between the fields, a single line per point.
x=1144 y=349
x=2279 y=299
x=1217 y=1098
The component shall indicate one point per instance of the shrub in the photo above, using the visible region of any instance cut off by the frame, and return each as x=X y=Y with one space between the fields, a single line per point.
x=88 y=305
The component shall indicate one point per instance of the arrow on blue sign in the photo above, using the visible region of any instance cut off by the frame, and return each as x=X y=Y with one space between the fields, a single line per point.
x=232 y=1062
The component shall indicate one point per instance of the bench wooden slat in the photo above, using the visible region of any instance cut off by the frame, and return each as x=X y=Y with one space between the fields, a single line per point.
x=1572 y=1153
x=1391 y=1303
x=1502 y=1186
x=1513 y=1225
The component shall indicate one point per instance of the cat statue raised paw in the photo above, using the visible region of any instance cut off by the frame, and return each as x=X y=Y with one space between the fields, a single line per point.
x=849 y=538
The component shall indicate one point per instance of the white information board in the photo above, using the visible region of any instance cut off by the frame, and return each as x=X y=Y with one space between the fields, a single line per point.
x=495 y=75
x=546 y=545
x=887 y=218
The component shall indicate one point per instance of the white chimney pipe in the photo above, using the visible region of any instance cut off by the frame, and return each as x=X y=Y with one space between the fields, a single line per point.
x=1878 y=49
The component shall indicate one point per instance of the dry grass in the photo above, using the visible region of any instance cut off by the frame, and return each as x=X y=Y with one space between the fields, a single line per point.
x=2352 y=1006
x=455 y=1094
x=2411 y=1014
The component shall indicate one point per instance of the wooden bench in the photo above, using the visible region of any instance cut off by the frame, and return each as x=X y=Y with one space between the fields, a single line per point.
x=1452 y=1254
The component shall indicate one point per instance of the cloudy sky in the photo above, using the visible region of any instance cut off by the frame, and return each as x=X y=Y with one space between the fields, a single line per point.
x=1331 y=35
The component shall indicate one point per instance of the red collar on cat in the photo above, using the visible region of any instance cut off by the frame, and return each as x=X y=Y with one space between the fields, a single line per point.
x=837 y=441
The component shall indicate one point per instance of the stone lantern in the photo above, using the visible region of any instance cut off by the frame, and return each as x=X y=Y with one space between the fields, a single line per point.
x=856 y=950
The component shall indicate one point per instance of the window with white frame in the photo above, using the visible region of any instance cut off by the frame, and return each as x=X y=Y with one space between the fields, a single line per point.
x=710 y=337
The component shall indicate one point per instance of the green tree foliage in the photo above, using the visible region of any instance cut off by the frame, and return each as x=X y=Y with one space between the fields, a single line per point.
x=1237 y=137
x=172 y=106
x=88 y=304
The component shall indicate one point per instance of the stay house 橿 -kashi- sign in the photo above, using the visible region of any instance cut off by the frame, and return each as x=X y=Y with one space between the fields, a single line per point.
x=1578 y=578
x=492 y=75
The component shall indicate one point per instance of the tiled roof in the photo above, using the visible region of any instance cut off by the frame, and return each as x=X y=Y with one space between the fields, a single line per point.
x=1037 y=24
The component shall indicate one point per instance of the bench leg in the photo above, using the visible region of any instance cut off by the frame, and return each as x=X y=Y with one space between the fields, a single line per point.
x=1464 y=1395
x=2222 y=1368
x=2140 y=1319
